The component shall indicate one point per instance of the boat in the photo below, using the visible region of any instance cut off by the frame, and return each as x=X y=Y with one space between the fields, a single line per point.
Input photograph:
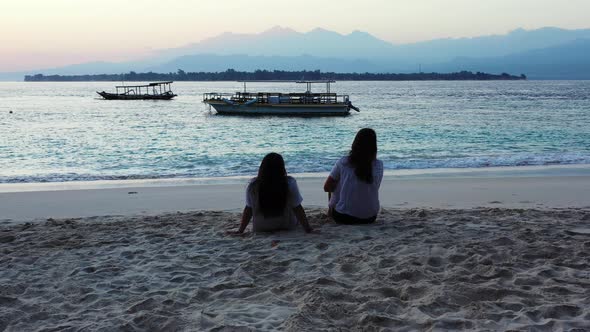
x=272 y=103
x=156 y=90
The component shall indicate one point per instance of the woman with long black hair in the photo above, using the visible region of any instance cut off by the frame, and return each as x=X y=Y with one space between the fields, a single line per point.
x=273 y=201
x=355 y=180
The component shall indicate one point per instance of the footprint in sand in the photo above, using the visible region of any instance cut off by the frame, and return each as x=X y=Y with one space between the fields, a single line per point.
x=322 y=246
x=560 y=311
x=349 y=268
x=7 y=238
x=457 y=258
x=435 y=261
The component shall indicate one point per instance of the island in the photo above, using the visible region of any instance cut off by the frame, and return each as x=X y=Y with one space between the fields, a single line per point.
x=234 y=75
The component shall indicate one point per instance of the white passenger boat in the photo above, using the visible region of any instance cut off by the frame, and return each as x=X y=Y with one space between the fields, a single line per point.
x=272 y=103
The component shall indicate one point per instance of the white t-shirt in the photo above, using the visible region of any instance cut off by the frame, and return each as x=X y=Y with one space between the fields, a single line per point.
x=286 y=221
x=352 y=195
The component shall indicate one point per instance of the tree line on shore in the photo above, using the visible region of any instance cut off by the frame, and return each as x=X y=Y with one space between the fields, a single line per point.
x=234 y=75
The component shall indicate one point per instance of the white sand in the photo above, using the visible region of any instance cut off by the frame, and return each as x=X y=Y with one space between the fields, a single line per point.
x=527 y=187
x=477 y=269
x=446 y=265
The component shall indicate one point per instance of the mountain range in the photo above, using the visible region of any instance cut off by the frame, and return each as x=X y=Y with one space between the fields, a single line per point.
x=546 y=53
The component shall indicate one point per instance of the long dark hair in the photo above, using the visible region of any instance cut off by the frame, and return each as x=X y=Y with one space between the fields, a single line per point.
x=362 y=154
x=271 y=185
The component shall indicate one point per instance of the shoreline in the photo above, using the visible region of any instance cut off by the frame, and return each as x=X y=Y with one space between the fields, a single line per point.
x=425 y=173
x=531 y=188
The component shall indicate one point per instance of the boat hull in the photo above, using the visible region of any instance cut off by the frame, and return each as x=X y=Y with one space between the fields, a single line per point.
x=114 y=96
x=280 y=109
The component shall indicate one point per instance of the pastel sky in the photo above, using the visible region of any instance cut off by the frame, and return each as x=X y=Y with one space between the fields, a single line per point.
x=44 y=33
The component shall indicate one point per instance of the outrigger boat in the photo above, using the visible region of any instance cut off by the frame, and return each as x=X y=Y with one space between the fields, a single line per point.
x=273 y=103
x=157 y=90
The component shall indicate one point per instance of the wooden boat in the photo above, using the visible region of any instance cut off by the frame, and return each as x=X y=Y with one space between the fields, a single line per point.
x=157 y=90
x=270 y=103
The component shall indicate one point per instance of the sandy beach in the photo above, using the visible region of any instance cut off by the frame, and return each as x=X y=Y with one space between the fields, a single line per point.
x=447 y=253
x=507 y=187
x=142 y=143
x=489 y=268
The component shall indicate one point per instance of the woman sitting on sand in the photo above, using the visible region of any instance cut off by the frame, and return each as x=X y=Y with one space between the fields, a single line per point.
x=273 y=201
x=354 y=182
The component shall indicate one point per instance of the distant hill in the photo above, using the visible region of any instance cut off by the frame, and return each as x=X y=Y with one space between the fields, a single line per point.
x=324 y=43
x=280 y=41
x=567 y=61
x=516 y=41
x=543 y=53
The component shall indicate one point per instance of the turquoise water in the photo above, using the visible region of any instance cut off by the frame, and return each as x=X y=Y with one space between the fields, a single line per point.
x=63 y=132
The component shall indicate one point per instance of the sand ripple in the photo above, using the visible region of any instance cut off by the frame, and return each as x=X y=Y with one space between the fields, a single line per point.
x=481 y=269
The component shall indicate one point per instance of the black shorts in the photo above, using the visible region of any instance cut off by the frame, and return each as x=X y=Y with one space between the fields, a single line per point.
x=341 y=218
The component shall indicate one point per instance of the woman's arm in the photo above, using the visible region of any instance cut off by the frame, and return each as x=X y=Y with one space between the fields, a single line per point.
x=246 y=216
x=302 y=218
x=330 y=185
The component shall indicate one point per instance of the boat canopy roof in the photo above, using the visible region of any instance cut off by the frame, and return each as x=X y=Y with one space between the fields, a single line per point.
x=144 y=85
x=309 y=83
x=288 y=81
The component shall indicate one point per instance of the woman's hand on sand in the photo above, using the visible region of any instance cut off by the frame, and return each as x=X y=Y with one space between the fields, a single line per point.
x=313 y=231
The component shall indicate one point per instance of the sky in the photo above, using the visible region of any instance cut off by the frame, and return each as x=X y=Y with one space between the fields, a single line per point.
x=38 y=34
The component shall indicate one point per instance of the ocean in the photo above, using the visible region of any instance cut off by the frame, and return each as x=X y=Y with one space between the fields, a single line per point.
x=65 y=132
